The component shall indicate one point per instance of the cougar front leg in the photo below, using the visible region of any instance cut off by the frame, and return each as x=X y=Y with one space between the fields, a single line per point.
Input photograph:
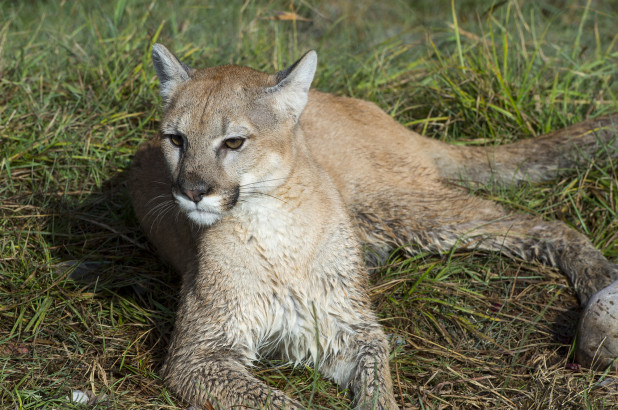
x=208 y=354
x=363 y=368
x=219 y=380
x=162 y=222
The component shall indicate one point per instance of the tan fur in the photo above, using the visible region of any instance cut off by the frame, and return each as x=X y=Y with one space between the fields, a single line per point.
x=280 y=271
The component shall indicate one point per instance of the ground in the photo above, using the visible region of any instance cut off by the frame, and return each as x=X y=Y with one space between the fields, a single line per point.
x=86 y=305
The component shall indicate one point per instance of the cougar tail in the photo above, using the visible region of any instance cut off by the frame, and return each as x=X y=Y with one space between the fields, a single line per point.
x=535 y=159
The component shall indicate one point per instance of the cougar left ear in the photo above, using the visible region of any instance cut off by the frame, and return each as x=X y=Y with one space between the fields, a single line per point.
x=292 y=89
x=170 y=70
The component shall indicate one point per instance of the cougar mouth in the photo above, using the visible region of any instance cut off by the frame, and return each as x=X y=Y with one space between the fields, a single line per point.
x=208 y=209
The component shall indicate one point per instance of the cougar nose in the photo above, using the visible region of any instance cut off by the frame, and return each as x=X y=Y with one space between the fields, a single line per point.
x=196 y=195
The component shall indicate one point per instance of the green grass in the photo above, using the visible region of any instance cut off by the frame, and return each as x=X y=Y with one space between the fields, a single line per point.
x=472 y=330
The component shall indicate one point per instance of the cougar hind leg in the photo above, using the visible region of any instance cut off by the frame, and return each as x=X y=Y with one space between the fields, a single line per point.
x=482 y=224
x=363 y=367
x=457 y=219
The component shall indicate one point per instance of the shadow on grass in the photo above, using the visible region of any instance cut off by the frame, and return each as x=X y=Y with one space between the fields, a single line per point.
x=126 y=296
x=565 y=329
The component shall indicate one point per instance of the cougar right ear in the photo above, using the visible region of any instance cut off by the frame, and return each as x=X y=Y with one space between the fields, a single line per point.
x=170 y=70
x=292 y=89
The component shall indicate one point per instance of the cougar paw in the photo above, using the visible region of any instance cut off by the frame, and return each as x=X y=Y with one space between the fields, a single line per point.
x=597 y=345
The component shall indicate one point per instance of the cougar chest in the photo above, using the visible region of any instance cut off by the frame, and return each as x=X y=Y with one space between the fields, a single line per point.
x=275 y=236
x=283 y=292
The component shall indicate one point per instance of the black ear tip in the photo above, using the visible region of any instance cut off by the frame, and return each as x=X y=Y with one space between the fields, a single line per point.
x=312 y=54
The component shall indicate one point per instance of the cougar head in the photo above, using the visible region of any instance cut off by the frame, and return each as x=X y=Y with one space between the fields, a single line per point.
x=227 y=132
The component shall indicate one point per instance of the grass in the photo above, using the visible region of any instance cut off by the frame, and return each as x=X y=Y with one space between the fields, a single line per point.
x=470 y=330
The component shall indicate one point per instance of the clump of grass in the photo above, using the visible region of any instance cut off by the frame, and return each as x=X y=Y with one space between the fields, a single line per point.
x=78 y=94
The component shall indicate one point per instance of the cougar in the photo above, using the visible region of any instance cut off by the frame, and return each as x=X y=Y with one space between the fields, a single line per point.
x=262 y=194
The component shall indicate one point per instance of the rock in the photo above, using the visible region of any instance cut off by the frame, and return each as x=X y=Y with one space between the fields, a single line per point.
x=597 y=345
x=78 y=396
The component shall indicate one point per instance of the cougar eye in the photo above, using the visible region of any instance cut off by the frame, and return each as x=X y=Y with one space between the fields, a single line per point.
x=234 y=143
x=176 y=139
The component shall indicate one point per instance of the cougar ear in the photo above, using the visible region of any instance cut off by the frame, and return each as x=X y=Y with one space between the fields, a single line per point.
x=170 y=70
x=292 y=89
